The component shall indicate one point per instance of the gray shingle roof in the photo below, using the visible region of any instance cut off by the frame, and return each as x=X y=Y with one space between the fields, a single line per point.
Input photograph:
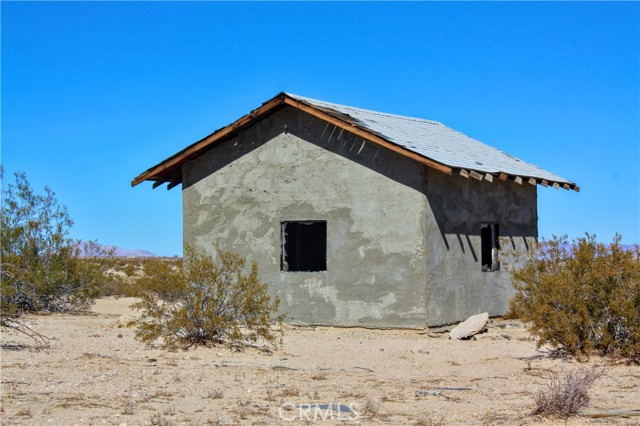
x=438 y=142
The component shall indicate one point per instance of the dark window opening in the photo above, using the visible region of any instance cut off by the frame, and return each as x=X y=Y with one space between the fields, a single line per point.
x=304 y=246
x=490 y=247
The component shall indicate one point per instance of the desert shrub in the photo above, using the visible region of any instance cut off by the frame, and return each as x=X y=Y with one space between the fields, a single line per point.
x=42 y=268
x=121 y=278
x=130 y=269
x=581 y=297
x=162 y=279
x=209 y=301
x=564 y=394
x=372 y=407
x=118 y=285
x=124 y=275
x=431 y=420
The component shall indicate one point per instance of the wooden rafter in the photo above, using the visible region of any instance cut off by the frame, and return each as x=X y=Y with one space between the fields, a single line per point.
x=173 y=184
x=517 y=179
x=476 y=175
x=160 y=182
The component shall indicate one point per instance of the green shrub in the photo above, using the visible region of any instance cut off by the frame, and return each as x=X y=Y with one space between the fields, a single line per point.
x=582 y=297
x=42 y=268
x=209 y=301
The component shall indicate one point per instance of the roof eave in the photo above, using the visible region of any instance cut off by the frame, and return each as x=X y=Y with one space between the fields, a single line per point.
x=519 y=179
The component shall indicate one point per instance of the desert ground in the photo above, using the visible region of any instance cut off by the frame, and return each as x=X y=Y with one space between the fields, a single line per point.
x=96 y=373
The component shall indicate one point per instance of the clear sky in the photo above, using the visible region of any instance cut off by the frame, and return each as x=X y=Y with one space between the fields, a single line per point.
x=95 y=93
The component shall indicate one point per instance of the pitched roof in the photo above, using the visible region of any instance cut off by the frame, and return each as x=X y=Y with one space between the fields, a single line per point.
x=426 y=141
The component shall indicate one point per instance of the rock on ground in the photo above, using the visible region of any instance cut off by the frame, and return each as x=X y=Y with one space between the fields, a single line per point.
x=472 y=325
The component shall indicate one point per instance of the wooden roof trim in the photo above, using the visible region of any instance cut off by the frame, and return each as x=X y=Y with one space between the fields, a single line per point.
x=173 y=184
x=517 y=179
x=365 y=134
x=154 y=172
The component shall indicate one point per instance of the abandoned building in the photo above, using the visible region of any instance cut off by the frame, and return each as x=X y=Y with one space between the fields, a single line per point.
x=360 y=218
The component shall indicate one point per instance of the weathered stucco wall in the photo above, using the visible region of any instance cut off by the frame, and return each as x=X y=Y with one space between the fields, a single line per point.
x=403 y=241
x=457 y=207
x=238 y=193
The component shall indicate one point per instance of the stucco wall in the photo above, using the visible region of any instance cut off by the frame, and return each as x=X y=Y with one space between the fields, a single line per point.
x=373 y=200
x=457 y=207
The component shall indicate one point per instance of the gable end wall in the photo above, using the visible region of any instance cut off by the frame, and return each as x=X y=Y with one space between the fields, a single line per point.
x=238 y=193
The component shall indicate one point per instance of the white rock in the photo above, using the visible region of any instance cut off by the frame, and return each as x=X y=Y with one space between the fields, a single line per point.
x=472 y=325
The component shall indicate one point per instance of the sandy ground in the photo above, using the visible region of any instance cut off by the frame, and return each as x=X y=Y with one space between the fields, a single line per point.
x=95 y=373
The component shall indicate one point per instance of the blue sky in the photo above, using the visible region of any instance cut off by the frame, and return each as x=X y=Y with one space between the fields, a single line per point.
x=95 y=93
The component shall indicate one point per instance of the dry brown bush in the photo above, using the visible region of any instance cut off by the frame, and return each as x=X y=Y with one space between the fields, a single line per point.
x=215 y=394
x=565 y=393
x=431 y=420
x=582 y=297
x=372 y=406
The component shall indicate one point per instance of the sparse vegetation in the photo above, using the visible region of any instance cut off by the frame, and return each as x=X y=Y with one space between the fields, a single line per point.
x=159 y=420
x=209 y=301
x=582 y=297
x=42 y=268
x=128 y=409
x=431 y=420
x=564 y=394
x=24 y=412
x=112 y=378
x=290 y=391
x=215 y=394
x=319 y=376
x=372 y=407
x=124 y=274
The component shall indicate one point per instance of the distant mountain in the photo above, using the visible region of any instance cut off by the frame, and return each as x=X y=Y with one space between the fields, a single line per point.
x=118 y=251
x=123 y=252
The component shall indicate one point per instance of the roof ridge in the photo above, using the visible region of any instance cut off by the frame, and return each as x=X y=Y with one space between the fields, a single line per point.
x=385 y=114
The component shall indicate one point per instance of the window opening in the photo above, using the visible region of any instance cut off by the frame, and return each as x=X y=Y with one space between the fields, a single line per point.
x=304 y=246
x=490 y=247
